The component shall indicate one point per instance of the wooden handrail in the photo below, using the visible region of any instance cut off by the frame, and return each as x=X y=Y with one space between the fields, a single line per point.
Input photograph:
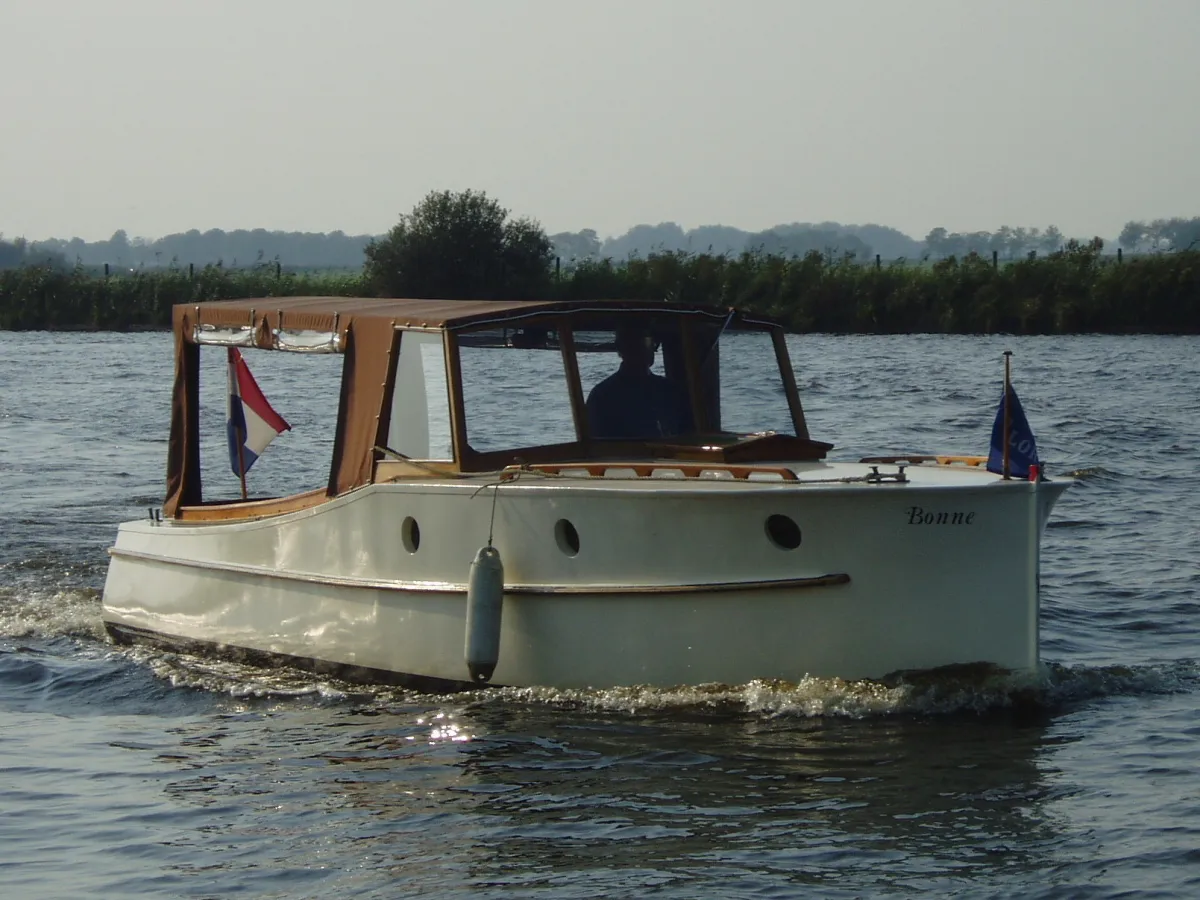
x=252 y=509
x=917 y=459
x=646 y=470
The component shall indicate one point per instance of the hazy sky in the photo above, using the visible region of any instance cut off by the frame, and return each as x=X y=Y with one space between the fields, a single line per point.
x=162 y=115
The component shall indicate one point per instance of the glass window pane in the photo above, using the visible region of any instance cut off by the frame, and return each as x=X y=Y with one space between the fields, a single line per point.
x=304 y=389
x=515 y=397
x=635 y=383
x=752 y=394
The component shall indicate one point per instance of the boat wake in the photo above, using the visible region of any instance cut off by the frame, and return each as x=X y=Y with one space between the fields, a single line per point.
x=33 y=624
x=59 y=612
x=971 y=690
x=961 y=689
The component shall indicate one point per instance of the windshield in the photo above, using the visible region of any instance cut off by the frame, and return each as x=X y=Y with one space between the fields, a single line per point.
x=643 y=378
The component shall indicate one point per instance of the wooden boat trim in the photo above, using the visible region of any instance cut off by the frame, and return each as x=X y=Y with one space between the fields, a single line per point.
x=788 y=374
x=448 y=587
x=253 y=509
x=566 y=339
x=916 y=460
x=458 y=415
x=390 y=470
x=647 y=470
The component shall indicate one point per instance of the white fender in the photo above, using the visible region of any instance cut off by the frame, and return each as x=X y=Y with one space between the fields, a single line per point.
x=485 y=601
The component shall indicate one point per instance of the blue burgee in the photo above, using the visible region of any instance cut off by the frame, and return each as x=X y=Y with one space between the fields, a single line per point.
x=1022 y=449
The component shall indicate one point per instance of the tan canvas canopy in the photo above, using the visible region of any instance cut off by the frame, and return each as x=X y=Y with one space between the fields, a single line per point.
x=364 y=330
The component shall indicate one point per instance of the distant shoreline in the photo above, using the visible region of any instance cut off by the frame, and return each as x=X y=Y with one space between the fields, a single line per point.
x=1076 y=291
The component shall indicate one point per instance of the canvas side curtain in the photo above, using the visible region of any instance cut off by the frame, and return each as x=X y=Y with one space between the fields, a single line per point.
x=363 y=411
x=183 y=449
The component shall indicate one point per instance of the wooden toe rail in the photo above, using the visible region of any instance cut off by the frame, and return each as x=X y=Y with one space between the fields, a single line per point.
x=942 y=460
x=647 y=470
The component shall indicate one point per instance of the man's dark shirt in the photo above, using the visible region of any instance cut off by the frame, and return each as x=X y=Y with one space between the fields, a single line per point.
x=637 y=405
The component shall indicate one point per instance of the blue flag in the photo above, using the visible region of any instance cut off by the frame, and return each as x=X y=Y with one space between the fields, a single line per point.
x=1022 y=449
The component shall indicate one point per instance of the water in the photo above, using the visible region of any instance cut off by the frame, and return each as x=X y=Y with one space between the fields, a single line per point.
x=131 y=773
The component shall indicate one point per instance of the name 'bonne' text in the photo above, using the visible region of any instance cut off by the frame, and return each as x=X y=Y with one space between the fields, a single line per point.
x=919 y=516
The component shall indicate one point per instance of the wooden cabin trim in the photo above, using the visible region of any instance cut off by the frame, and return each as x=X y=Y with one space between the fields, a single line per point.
x=387 y=470
x=643 y=469
x=566 y=343
x=724 y=450
x=252 y=509
x=789 y=382
x=458 y=415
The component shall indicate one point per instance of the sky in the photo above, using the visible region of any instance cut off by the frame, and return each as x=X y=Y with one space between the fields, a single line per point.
x=310 y=115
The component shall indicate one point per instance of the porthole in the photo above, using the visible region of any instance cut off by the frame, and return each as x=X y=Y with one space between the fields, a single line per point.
x=783 y=532
x=566 y=537
x=410 y=534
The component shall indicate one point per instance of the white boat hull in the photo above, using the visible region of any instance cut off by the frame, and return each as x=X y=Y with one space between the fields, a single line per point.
x=675 y=582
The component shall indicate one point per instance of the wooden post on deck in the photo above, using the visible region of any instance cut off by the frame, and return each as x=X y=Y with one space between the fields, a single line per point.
x=241 y=440
x=1007 y=413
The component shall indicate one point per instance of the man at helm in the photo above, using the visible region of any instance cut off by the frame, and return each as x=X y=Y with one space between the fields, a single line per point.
x=634 y=403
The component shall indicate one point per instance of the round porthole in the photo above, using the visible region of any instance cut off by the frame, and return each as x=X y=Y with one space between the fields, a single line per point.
x=783 y=532
x=566 y=537
x=410 y=534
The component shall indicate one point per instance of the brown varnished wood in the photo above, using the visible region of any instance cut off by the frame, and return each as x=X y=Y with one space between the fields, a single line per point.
x=252 y=509
x=566 y=341
x=789 y=382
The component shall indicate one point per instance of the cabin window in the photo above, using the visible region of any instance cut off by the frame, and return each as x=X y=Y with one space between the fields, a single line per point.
x=753 y=398
x=303 y=388
x=419 y=426
x=515 y=392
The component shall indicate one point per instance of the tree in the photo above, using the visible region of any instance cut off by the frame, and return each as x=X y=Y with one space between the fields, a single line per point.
x=118 y=247
x=799 y=240
x=1052 y=239
x=573 y=246
x=642 y=240
x=1179 y=234
x=11 y=254
x=935 y=242
x=461 y=246
x=1132 y=235
x=1003 y=241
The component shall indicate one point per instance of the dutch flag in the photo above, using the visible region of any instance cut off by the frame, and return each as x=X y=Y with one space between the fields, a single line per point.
x=250 y=421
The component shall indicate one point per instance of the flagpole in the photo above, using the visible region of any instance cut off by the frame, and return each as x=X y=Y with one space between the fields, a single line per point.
x=241 y=442
x=1008 y=419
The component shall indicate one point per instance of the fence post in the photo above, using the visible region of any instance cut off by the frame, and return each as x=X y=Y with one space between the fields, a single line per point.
x=191 y=271
x=278 y=270
x=106 y=270
x=558 y=268
x=995 y=259
x=878 y=262
x=1118 y=254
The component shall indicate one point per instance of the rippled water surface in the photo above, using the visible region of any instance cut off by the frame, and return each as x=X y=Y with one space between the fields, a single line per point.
x=130 y=773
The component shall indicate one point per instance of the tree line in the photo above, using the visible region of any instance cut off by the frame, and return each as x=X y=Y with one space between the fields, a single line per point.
x=466 y=246
x=241 y=248
x=337 y=250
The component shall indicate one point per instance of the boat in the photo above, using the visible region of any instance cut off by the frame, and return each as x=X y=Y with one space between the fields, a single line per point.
x=573 y=495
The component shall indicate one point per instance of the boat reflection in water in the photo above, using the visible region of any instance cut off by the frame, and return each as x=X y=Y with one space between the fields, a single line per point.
x=535 y=795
